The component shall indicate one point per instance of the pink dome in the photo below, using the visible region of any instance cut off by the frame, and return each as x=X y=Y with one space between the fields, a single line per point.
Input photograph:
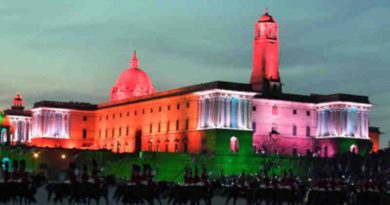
x=133 y=82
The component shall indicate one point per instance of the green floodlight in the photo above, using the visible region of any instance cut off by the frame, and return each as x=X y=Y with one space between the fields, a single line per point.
x=1 y=118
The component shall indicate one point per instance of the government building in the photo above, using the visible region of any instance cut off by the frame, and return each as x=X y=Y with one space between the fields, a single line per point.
x=219 y=117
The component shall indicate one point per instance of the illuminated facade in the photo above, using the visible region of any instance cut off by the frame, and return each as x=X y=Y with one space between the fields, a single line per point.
x=219 y=116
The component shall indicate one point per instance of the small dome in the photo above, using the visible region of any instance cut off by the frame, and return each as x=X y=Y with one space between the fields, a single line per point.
x=266 y=17
x=18 y=102
x=133 y=82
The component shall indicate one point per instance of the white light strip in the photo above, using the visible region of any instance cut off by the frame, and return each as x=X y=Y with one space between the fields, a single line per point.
x=345 y=103
x=225 y=92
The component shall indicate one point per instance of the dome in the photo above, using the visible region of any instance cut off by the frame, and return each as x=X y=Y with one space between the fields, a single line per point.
x=266 y=17
x=18 y=102
x=133 y=82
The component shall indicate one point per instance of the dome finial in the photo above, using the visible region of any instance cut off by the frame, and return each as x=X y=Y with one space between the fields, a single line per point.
x=266 y=10
x=134 y=61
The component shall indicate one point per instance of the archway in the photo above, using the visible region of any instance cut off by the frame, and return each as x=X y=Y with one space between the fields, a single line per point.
x=354 y=149
x=234 y=144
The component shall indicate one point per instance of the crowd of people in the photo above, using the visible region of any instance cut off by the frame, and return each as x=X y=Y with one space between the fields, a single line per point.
x=18 y=174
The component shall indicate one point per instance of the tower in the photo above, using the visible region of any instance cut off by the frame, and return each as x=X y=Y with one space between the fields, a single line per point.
x=265 y=71
x=17 y=103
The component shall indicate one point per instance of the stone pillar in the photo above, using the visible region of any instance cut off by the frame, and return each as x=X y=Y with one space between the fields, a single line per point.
x=228 y=112
x=249 y=117
x=222 y=112
x=239 y=113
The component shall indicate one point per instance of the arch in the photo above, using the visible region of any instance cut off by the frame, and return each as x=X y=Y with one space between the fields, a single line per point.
x=274 y=128
x=234 y=144
x=3 y=161
x=354 y=149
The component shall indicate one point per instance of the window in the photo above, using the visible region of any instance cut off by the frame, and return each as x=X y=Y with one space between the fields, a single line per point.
x=187 y=124
x=100 y=118
x=151 y=110
x=106 y=117
x=254 y=127
x=294 y=112
x=150 y=128
x=177 y=124
x=113 y=132
x=106 y=134
x=188 y=104
x=100 y=133
x=128 y=114
x=274 y=110
x=127 y=131
x=159 y=109
x=308 y=113
x=159 y=127
x=295 y=151
x=234 y=144
x=307 y=131
x=167 y=126
x=294 y=130
x=120 y=131
x=113 y=116
x=84 y=133
x=178 y=106
x=169 y=107
x=143 y=111
x=135 y=112
x=254 y=108
x=120 y=115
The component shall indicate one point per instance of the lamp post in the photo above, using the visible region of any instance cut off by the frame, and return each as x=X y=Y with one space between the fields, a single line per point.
x=35 y=157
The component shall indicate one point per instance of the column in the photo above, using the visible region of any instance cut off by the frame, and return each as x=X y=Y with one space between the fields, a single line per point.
x=239 y=113
x=211 y=111
x=228 y=112
x=200 y=114
x=206 y=108
x=342 y=122
x=249 y=117
x=366 y=125
x=222 y=109
x=357 y=130
x=318 y=123
x=203 y=113
x=246 y=111
x=324 y=130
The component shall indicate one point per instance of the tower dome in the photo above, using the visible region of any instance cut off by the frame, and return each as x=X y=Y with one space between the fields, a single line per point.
x=266 y=17
x=18 y=103
x=133 y=82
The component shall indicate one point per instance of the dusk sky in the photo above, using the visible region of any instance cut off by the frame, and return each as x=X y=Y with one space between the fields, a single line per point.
x=74 y=50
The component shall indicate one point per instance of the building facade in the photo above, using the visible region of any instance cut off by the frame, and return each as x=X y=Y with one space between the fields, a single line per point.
x=211 y=117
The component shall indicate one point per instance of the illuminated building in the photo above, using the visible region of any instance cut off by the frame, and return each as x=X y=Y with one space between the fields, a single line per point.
x=222 y=117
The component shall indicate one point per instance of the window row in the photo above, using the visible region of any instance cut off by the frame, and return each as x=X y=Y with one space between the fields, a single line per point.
x=152 y=128
x=275 y=110
x=143 y=111
x=274 y=129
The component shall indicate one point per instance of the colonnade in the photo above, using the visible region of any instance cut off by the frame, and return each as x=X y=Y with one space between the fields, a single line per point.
x=22 y=126
x=224 y=111
x=349 y=122
x=50 y=123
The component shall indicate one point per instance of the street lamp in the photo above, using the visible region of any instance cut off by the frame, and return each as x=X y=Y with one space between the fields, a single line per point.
x=35 y=155
x=63 y=156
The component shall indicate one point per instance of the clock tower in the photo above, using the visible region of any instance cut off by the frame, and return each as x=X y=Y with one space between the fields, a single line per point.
x=265 y=71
